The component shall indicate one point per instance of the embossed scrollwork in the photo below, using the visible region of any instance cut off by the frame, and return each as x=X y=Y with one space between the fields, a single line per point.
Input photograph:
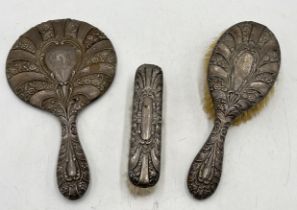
x=145 y=142
x=61 y=66
x=72 y=168
x=242 y=69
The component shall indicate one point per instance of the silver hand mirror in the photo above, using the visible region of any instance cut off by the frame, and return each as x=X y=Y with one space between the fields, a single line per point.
x=242 y=69
x=61 y=66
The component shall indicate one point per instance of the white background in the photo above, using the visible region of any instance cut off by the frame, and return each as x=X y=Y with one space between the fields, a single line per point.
x=260 y=162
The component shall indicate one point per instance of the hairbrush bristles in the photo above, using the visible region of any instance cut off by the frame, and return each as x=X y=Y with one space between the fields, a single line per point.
x=241 y=70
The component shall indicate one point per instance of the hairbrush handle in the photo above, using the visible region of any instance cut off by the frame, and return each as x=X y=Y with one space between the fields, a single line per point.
x=72 y=169
x=205 y=171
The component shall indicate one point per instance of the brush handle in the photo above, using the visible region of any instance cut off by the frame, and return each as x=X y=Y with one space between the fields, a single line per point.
x=205 y=172
x=72 y=169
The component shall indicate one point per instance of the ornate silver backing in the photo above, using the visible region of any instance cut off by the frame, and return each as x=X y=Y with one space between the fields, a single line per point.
x=242 y=69
x=61 y=66
x=145 y=142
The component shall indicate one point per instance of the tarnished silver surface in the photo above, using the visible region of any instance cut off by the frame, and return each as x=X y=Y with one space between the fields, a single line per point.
x=242 y=69
x=145 y=142
x=61 y=66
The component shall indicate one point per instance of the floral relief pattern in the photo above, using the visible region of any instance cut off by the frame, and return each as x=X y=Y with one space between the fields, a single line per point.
x=145 y=142
x=242 y=69
x=61 y=66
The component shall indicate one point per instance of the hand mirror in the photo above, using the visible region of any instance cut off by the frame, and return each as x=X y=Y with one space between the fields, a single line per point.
x=61 y=66
x=242 y=69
